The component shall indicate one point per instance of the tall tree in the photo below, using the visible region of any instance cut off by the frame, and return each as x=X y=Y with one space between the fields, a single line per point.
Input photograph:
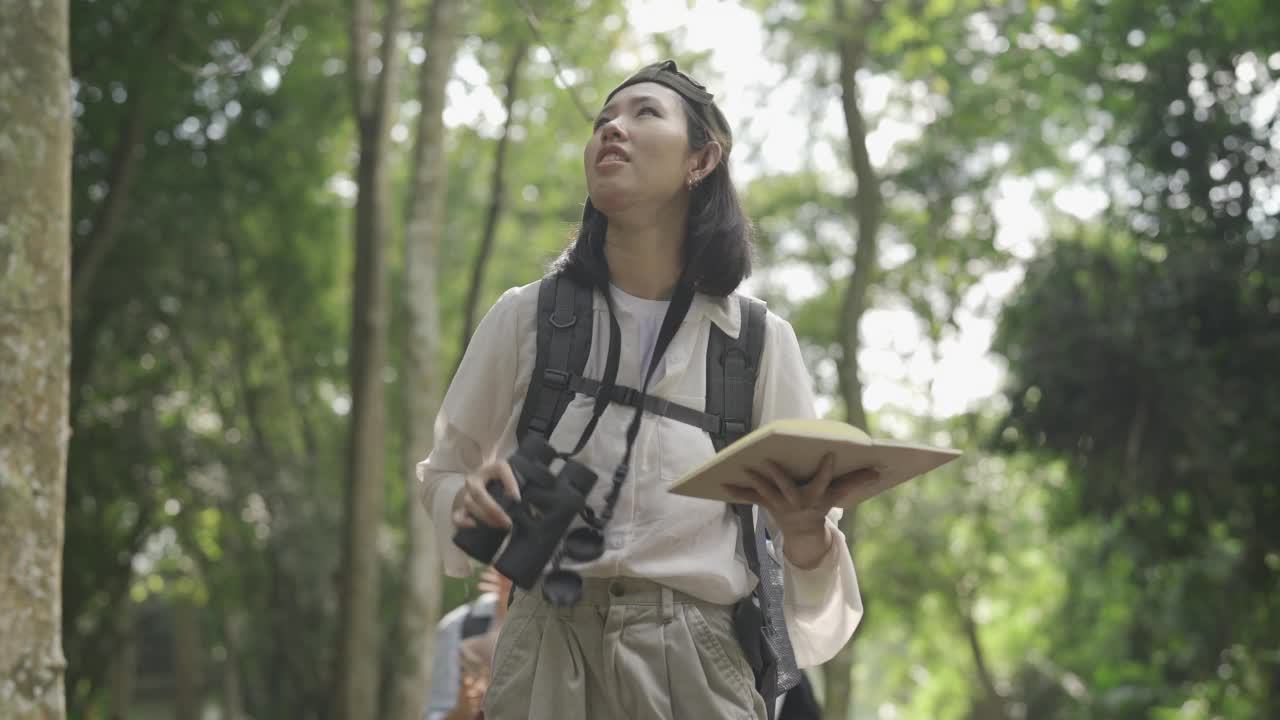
x=373 y=86
x=497 y=195
x=188 y=695
x=866 y=207
x=420 y=596
x=35 y=211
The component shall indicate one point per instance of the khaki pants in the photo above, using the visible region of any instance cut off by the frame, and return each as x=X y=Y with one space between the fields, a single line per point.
x=629 y=650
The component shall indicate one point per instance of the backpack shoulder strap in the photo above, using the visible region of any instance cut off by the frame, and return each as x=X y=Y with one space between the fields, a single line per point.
x=732 y=367
x=565 y=316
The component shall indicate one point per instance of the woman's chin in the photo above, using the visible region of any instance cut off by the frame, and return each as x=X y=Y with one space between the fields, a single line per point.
x=610 y=201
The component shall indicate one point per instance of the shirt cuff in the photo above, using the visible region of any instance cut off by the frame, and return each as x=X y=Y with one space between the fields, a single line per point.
x=456 y=563
x=823 y=604
x=812 y=585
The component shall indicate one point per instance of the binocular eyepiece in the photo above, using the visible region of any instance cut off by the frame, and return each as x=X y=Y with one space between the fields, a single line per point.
x=539 y=519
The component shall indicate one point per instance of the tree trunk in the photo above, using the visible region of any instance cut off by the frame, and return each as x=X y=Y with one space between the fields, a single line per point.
x=187 y=671
x=35 y=295
x=420 y=597
x=232 y=688
x=1271 y=704
x=866 y=209
x=374 y=86
x=991 y=706
x=122 y=676
x=496 y=193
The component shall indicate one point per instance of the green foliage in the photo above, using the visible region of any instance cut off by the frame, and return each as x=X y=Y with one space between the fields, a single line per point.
x=205 y=440
x=1139 y=352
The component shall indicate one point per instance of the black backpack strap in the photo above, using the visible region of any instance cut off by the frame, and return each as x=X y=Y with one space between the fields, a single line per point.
x=733 y=365
x=630 y=397
x=565 y=319
x=564 y=325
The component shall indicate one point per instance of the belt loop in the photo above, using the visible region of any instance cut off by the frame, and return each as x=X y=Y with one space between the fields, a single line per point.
x=668 y=605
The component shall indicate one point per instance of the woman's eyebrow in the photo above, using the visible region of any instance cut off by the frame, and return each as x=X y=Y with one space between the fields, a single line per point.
x=633 y=101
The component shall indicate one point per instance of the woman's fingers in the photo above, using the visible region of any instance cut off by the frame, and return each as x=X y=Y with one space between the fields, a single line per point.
x=743 y=494
x=816 y=489
x=779 y=478
x=459 y=511
x=484 y=509
x=502 y=471
x=841 y=487
x=767 y=486
x=460 y=517
x=479 y=504
x=778 y=489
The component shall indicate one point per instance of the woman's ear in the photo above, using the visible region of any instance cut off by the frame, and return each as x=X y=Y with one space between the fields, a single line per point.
x=709 y=158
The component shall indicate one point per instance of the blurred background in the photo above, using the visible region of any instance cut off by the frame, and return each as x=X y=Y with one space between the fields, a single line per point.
x=1042 y=232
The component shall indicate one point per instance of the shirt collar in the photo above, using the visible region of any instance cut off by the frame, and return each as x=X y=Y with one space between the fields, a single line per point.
x=725 y=312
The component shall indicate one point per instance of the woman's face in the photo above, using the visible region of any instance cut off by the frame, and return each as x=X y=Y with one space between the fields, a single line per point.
x=638 y=154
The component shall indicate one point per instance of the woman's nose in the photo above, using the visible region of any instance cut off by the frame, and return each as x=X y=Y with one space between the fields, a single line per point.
x=611 y=131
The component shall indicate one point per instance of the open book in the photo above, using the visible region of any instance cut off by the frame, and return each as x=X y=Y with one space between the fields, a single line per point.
x=799 y=445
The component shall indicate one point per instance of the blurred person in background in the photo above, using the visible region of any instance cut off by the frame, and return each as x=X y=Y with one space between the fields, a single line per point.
x=464 y=651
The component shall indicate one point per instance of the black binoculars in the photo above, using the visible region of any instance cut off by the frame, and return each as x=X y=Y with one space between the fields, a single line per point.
x=539 y=519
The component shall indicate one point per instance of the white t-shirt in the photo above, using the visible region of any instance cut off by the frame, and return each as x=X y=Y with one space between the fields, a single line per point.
x=646 y=319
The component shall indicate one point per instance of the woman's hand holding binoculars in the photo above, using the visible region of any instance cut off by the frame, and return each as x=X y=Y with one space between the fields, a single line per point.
x=474 y=503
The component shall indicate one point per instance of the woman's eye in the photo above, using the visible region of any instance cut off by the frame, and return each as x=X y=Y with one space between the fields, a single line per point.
x=646 y=109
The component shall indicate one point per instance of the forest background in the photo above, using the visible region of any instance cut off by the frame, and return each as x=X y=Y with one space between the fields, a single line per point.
x=1042 y=232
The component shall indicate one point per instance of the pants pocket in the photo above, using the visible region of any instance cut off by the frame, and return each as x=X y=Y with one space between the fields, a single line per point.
x=713 y=633
x=514 y=655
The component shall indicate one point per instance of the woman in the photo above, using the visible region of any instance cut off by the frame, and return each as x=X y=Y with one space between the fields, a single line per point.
x=651 y=636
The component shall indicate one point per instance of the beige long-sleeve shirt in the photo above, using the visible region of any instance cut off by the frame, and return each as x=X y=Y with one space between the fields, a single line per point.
x=688 y=544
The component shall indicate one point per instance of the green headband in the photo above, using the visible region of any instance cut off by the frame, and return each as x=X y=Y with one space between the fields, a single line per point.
x=666 y=73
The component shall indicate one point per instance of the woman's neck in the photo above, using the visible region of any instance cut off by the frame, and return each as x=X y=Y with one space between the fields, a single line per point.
x=645 y=261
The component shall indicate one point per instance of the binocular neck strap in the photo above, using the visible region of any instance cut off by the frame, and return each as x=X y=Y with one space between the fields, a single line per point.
x=671 y=322
x=607 y=383
x=675 y=315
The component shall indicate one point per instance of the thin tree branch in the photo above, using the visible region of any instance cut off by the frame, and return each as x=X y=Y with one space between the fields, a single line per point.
x=535 y=26
x=495 y=205
x=243 y=62
x=90 y=254
x=866 y=208
x=979 y=656
x=866 y=205
x=992 y=704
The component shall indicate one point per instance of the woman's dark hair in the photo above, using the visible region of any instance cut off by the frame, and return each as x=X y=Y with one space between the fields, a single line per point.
x=718 y=235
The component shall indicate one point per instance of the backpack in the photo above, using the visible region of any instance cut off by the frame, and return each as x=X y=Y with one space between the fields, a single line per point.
x=563 y=344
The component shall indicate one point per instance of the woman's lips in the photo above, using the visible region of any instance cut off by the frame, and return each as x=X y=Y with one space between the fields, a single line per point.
x=611 y=154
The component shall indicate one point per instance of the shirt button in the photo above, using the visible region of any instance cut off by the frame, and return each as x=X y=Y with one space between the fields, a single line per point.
x=616 y=589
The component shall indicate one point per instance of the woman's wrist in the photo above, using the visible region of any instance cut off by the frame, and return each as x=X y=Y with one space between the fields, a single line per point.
x=805 y=549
